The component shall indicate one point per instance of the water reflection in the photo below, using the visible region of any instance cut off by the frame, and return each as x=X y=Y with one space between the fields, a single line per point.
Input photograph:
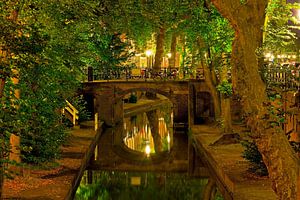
x=140 y=132
x=133 y=185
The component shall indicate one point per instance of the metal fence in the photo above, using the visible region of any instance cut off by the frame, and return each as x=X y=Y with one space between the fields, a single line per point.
x=285 y=76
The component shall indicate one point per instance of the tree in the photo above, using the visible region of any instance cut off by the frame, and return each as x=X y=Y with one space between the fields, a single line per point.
x=247 y=18
x=278 y=36
x=39 y=47
x=210 y=36
x=111 y=53
x=8 y=18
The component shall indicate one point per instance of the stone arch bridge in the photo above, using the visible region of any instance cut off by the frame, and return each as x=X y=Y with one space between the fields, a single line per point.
x=191 y=99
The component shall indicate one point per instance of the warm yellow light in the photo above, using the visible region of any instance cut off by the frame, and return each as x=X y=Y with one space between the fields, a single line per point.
x=298 y=14
x=168 y=138
x=169 y=55
x=147 y=149
x=148 y=53
x=268 y=55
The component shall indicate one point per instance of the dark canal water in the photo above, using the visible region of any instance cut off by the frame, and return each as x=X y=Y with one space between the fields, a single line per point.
x=116 y=185
x=139 y=186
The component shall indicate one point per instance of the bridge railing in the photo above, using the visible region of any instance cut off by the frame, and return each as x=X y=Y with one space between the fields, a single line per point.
x=143 y=74
x=72 y=113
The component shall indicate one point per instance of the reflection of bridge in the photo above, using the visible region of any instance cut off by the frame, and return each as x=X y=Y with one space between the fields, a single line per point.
x=144 y=106
x=113 y=154
x=106 y=98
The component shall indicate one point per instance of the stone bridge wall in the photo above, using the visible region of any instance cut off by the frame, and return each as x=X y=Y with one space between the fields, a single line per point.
x=107 y=97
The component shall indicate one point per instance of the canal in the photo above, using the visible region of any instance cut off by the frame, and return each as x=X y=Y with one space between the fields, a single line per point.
x=150 y=133
x=140 y=186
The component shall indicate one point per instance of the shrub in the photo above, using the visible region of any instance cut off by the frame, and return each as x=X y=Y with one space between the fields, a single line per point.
x=132 y=98
x=252 y=154
x=225 y=88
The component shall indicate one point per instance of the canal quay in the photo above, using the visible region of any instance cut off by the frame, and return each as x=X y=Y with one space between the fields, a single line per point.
x=129 y=151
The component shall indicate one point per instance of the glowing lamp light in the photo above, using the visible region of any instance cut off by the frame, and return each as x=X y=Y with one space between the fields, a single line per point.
x=169 y=55
x=268 y=55
x=148 y=53
x=147 y=150
x=298 y=14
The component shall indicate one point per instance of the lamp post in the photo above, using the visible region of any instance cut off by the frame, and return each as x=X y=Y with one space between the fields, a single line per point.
x=149 y=60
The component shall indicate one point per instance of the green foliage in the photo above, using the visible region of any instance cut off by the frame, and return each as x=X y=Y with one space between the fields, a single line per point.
x=252 y=154
x=80 y=104
x=114 y=185
x=225 y=88
x=44 y=53
x=109 y=52
x=207 y=25
x=165 y=144
x=243 y=2
x=279 y=36
x=132 y=98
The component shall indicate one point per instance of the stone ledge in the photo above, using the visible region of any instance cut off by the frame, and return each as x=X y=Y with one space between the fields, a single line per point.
x=229 y=168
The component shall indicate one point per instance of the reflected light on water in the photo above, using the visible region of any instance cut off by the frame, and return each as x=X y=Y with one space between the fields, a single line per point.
x=138 y=132
x=147 y=150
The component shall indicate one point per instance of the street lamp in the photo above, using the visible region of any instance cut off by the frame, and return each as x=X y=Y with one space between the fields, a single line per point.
x=149 y=58
x=148 y=53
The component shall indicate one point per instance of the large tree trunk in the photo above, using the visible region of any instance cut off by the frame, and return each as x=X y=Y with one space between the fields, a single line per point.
x=209 y=190
x=225 y=101
x=173 y=50
x=280 y=159
x=2 y=84
x=213 y=90
x=210 y=80
x=160 y=40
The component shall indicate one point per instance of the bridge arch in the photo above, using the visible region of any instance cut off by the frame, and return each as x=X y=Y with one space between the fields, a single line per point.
x=152 y=90
x=108 y=97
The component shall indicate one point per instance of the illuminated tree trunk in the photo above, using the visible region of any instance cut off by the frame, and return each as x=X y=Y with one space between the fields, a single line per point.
x=209 y=190
x=153 y=121
x=225 y=100
x=248 y=19
x=213 y=90
x=210 y=80
x=2 y=83
x=160 y=39
x=173 y=51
